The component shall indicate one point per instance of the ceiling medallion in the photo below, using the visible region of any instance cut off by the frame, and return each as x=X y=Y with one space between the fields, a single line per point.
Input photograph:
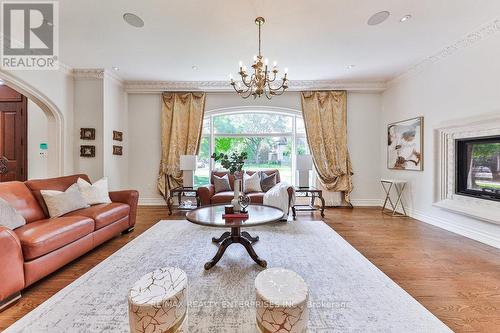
x=262 y=80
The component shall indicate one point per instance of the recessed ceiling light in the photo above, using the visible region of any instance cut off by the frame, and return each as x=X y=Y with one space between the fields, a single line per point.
x=2 y=82
x=405 y=18
x=116 y=68
x=133 y=20
x=350 y=66
x=194 y=68
x=378 y=18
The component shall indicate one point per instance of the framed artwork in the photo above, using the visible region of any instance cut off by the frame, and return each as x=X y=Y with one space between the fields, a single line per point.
x=87 y=133
x=87 y=151
x=405 y=144
x=117 y=150
x=117 y=136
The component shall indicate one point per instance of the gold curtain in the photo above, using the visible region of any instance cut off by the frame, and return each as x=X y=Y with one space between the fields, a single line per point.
x=325 y=119
x=181 y=122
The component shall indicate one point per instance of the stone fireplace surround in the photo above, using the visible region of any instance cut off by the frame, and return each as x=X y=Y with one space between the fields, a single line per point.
x=446 y=198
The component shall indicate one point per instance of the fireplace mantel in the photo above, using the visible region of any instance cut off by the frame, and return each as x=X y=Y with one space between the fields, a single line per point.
x=483 y=126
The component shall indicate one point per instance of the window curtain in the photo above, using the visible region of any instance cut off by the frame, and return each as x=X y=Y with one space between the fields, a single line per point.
x=325 y=119
x=181 y=123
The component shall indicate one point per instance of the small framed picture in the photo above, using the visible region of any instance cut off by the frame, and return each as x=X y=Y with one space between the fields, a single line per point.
x=117 y=150
x=117 y=136
x=87 y=151
x=87 y=133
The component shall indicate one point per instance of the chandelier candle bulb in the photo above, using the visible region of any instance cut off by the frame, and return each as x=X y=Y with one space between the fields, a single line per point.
x=261 y=80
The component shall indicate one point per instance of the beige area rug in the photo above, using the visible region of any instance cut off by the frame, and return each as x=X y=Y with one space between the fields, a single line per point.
x=347 y=292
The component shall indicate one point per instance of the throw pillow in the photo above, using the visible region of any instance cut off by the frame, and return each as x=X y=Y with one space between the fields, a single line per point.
x=60 y=203
x=96 y=193
x=9 y=217
x=221 y=184
x=267 y=182
x=251 y=183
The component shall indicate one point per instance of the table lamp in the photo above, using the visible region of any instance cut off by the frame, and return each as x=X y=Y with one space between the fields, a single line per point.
x=303 y=164
x=188 y=165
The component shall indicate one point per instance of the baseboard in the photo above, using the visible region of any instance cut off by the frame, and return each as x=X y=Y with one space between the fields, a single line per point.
x=366 y=202
x=152 y=202
x=486 y=238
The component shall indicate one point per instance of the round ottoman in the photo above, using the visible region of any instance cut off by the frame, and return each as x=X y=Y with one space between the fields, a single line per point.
x=158 y=302
x=281 y=304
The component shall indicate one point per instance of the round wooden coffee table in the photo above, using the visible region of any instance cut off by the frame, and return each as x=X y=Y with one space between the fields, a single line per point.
x=211 y=216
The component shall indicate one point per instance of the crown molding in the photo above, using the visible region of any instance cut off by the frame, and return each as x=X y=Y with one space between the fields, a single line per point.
x=88 y=73
x=486 y=30
x=224 y=86
x=95 y=74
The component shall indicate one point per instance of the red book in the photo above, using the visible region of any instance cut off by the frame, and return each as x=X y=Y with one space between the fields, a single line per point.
x=235 y=216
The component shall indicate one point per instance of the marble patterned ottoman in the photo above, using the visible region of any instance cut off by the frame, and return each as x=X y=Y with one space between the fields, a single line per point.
x=281 y=301
x=157 y=303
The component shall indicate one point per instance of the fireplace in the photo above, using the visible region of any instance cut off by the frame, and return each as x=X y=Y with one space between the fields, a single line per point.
x=478 y=167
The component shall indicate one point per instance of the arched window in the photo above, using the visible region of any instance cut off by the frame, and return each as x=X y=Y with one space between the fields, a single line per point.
x=272 y=137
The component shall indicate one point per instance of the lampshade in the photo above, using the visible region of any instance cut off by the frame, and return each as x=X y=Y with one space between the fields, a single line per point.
x=303 y=162
x=187 y=162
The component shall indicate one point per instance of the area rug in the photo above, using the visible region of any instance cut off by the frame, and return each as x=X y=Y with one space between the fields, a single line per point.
x=347 y=292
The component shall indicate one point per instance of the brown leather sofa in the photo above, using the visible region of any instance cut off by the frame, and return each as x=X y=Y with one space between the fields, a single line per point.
x=45 y=244
x=208 y=196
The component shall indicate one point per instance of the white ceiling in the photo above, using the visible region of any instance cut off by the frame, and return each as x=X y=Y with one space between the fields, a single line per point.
x=316 y=39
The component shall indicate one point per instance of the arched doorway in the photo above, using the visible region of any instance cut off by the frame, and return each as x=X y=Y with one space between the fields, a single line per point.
x=55 y=121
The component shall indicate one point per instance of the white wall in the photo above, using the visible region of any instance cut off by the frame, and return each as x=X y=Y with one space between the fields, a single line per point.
x=38 y=132
x=115 y=118
x=462 y=85
x=144 y=131
x=145 y=144
x=89 y=108
x=363 y=123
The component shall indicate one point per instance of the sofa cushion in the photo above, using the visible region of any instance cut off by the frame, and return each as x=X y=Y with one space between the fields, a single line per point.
x=56 y=184
x=44 y=236
x=256 y=198
x=103 y=214
x=22 y=200
x=96 y=193
x=267 y=182
x=59 y=203
x=9 y=217
x=251 y=183
x=222 y=197
x=221 y=184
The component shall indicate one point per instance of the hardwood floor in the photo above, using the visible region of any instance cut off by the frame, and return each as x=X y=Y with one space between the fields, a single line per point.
x=457 y=279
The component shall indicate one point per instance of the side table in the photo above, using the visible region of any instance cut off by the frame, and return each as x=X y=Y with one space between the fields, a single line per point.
x=309 y=192
x=399 y=187
x=182 y=192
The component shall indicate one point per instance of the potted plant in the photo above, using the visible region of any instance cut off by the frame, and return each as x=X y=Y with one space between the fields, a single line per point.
x=234 y=164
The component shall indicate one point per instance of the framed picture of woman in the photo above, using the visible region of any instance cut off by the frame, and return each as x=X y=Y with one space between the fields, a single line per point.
x=405 y=144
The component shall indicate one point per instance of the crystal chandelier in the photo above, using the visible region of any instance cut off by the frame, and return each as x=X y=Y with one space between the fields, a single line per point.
x=263 y=80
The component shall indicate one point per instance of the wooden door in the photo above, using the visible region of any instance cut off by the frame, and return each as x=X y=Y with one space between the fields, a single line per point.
x=13 y=135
